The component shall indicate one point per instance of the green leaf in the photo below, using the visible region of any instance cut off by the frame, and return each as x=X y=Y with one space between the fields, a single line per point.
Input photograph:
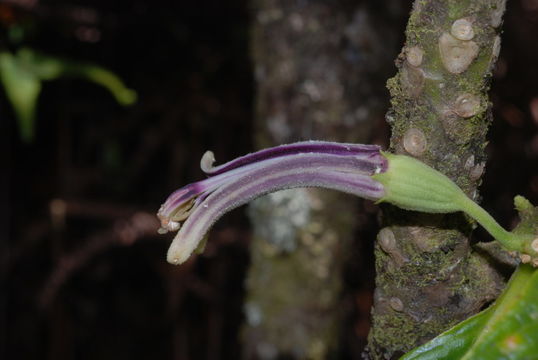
x=506 y=330
x=22 y=88
x=22 y=74
x=451 y=344
x=50 y=68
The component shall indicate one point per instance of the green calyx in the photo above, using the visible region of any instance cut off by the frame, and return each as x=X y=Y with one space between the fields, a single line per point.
x=413 y=185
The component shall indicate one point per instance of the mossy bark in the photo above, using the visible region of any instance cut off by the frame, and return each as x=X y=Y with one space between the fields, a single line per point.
x=428 y=277
x=319 y=73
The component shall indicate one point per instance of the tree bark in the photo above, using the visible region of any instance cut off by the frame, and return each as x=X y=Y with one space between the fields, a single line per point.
x=428 y=278
x=319 y=69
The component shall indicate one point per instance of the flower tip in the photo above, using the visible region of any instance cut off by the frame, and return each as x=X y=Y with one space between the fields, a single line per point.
x=207 y=161
x=178 y=252
x=166 y=223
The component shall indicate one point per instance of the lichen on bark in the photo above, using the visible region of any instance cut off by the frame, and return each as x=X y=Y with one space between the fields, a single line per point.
x=440 y=114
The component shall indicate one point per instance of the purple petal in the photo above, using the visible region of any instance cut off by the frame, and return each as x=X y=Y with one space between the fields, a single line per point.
x=345 y=173
x=363 y=158
x=319 y=147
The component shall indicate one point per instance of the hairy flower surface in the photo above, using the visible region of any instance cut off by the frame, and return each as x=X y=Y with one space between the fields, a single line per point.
x=362 y=170
x=344 y=167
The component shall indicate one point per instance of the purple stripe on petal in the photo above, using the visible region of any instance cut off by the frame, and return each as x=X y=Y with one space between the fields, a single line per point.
x=319 y=147
x=343 y=167
x=181 y=196
x=197 y=189
x=303 y=170
x=367 y=163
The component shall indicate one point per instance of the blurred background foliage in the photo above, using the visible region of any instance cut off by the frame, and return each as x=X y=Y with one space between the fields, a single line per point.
x=82 y=268
x=22 y=73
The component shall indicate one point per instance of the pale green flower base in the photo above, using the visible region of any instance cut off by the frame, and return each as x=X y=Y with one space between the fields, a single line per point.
x=413 y=185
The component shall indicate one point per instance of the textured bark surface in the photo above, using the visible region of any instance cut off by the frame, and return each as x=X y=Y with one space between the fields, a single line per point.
x=320 y=72
x=428 y=277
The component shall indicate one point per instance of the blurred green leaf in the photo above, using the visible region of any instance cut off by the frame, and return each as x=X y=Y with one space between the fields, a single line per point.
x=506 y=330
x=50 y=68
x=22 y=74
x=22 y=88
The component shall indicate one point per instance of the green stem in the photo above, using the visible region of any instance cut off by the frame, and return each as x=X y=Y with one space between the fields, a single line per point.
x=508 y=239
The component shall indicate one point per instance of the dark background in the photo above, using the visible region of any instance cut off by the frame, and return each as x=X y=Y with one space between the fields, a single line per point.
x=83 y=271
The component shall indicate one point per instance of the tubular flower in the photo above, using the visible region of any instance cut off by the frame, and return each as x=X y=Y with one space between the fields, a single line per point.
x=345 y=167
x=362 y=170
